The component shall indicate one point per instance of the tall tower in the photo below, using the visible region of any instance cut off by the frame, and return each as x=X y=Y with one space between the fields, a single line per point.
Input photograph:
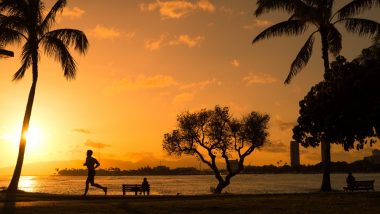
x=294 y=153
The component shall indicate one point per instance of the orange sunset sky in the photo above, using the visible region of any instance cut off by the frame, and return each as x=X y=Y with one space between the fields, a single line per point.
x=150 y=60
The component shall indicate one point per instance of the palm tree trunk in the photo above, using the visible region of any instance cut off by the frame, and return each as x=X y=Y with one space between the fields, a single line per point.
x=326 y=184
x=13 y=186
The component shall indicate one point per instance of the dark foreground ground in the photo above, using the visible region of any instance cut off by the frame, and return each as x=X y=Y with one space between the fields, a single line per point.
x=337 y=202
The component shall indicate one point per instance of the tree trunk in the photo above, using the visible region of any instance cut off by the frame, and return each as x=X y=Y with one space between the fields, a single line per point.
x=13 y=186
x=326 y=184
x=221 y=185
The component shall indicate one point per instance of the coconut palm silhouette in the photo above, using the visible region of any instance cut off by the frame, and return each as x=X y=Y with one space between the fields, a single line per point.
x=317 y=13
x=23 y=21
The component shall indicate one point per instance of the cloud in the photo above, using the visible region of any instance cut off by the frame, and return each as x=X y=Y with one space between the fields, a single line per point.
x=164 y=85
x=284 y=125
x=167 y=40
x=231 y=12
x=184 y=98
x=156 y=81
x=102 y=32
x=275 y=147
x=83 y=131
x=137 y=156
x=142 y=82
x=190 y=90
x=200 y=85
x=226 y=10
x=175 y=9
x=205 y=5
x=312 y=156
x=72 y=13
x=153 y=45
x=252 y=79
x=130 y=35
x=235 y=63
x=187 y=40
x=95 y=145
x=258 y=23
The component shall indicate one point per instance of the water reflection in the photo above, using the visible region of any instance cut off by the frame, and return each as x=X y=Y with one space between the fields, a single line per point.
x=27 y=183
x=187 y=185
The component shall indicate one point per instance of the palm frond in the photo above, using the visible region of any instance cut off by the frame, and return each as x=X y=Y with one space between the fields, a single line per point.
x=363 y=27
x=26 y=63
x=34 y=10
x=20 y=72
x=9 y=36
x=306 y=13
x=15 y=8
x=356 y=7
x=376 y=39
x=71 y=37
x=289 y=27
x=264 y=6
x=56 y=48
x=11 y=6
x=302 y=58
x=13 y=22
x=334 y=38
x=312 y=3
x=50 y=17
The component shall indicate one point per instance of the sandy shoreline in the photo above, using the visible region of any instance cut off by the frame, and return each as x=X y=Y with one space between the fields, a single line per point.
x=337 y=202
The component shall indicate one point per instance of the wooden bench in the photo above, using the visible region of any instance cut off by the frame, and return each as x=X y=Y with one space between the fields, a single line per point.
x=361 y=185
x=136 y=188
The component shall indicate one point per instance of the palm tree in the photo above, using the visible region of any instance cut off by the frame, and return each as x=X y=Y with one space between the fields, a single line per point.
x=23 y=20
x=317 y=13
x=5 y=53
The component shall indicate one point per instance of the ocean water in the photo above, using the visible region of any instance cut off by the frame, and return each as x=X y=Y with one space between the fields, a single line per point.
x=188 y=185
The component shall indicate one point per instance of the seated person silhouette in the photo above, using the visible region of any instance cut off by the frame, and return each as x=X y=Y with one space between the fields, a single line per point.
x=145 y=186
x=92 y=164
x=350 y=181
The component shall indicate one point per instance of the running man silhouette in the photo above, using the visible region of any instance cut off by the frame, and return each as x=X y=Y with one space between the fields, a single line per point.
x=92 y=164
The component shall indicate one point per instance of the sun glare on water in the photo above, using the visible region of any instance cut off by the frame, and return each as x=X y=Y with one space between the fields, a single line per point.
x=27 y=183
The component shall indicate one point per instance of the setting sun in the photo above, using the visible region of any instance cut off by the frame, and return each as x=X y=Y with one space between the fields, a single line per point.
x=147 y=62
x=189 y=106
x=33 y=137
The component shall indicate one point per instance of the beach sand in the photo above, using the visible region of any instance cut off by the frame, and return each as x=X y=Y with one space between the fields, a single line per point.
x=336 y=202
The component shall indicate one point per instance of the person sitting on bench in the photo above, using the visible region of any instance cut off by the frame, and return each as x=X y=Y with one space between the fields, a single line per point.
x=145 y=186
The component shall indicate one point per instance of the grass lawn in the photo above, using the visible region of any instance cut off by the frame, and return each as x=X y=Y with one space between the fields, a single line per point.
x=337 y=202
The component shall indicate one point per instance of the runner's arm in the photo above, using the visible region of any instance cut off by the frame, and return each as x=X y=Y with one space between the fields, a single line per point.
x=97 y=164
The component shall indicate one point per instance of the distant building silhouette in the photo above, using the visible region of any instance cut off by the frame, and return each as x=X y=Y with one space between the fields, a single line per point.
x=294 y=153
x=375 y=157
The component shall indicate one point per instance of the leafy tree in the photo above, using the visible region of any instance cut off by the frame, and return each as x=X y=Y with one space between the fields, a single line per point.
x=213 y=134
x=317 y=13
x=345 y=107
x=25 y=21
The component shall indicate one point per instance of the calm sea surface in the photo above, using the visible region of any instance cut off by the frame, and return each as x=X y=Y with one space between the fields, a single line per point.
x=188 y=185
